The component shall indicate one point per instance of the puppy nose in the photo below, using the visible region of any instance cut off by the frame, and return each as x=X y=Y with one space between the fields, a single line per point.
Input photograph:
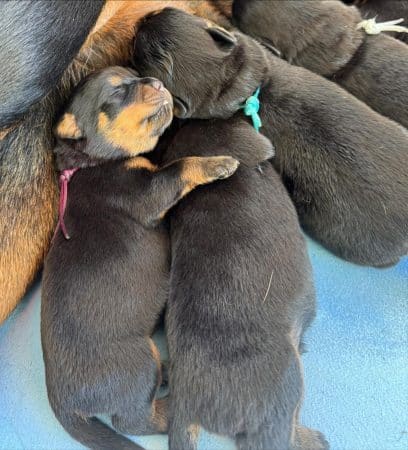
x=158 y=85
x=154 y=83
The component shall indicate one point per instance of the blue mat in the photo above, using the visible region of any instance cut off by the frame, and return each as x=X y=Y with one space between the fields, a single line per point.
x=356 y=367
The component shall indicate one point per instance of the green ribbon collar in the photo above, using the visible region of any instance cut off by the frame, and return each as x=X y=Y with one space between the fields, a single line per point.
x=251 y=109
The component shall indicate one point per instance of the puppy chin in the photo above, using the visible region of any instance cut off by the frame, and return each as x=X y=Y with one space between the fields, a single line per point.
x=166 y=119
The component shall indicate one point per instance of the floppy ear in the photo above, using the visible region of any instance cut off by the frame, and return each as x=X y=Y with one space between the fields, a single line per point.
x=180 y=108
x=223 y=38
x=270 y=47
x=67 y=128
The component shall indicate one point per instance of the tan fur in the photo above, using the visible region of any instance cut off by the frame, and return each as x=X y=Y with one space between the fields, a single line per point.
x=128 y=130
x=4 y=132
x=159 y=406
x=115 y=81
x=24 y=237
x=155 y=352
x=194 y=433
x=159 y=415
x=195 y=172
x=140 y=163
x=225 y=6
x=29 y=193
x=68 y=128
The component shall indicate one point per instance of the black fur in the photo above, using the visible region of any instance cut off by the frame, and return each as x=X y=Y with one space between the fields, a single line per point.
x=322 y=36
x=104 y=289
x=39 y=38
x=344 y=165
x=241 y=297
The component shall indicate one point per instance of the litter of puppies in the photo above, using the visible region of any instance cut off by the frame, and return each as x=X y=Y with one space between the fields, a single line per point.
x=295 y=121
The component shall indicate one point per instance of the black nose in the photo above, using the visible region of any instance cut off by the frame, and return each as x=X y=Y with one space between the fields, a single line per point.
x=153 y=82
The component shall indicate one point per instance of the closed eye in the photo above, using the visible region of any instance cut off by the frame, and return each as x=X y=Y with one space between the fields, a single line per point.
x=119 y=92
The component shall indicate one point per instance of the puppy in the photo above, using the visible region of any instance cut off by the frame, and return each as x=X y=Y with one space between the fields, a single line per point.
x=241 y=297
x=104 y=289
x=324 y=37
x=345 y=166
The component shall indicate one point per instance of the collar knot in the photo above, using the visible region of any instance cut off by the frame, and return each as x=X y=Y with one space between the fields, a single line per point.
x=251 y=109
x=371 y=26
x=64 y=179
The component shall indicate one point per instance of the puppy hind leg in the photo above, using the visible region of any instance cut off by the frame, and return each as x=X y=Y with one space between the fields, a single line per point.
x=148 y=418
x=308 y=439
x=270 y=439
x=183 y=437
x=142 y=415
x=266 y=438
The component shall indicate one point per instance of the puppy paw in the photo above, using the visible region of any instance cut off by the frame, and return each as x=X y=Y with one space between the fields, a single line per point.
x=309 y=439
x=197 y=170
x=219 y=167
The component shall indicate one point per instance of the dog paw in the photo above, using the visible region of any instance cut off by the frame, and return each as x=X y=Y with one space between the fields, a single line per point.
x=220 y=167
x=309 y=439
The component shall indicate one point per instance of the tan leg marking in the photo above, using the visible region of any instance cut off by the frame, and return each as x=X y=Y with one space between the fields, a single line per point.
x=159 y=417
x=197 y=171
x=155 y=352
x=194 y=432
x=140 y=163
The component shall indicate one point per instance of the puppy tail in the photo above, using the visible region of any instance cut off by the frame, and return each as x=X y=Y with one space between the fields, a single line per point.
x=94 y=434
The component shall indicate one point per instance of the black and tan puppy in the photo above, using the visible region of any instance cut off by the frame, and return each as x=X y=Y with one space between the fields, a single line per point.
x=104 y=289
x=241 y=297
x=345 y=166
x=324 y=37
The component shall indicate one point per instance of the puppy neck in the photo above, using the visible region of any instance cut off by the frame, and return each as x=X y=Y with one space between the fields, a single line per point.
x=81 y=154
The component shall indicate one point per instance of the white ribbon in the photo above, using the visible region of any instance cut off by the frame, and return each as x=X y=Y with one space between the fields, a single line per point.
x=370 y=26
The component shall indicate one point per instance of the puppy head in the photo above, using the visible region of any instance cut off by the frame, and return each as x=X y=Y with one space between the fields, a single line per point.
x=209 y=70
x=115 y=114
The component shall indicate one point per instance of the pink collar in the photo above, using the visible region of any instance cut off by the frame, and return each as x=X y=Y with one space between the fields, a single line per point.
x=64 y=179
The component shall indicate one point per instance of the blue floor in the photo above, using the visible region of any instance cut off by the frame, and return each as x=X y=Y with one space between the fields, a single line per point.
x=356 y=367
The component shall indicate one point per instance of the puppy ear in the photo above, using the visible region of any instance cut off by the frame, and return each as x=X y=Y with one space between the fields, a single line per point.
x=67 y=128
x=224 y=39
x=266 y=43
x=180 y=108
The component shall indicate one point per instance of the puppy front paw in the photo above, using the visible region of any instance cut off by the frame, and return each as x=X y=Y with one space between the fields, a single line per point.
x=219 y=167
x=203 y=170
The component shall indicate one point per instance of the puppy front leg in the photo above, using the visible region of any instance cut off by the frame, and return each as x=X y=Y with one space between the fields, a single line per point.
x=172 y=182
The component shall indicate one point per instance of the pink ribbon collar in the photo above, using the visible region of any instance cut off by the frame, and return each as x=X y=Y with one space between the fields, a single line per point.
x=64 y=179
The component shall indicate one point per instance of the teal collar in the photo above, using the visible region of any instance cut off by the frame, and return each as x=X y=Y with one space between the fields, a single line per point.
x=251 y=109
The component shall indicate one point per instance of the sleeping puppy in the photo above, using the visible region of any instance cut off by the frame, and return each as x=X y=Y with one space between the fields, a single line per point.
x=104 y=289
x=346 y=166
x=241 y=297
x=384 y=10
x=323 y=36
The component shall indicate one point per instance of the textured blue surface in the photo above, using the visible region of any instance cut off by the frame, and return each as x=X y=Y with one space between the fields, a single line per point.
x=356 y=367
